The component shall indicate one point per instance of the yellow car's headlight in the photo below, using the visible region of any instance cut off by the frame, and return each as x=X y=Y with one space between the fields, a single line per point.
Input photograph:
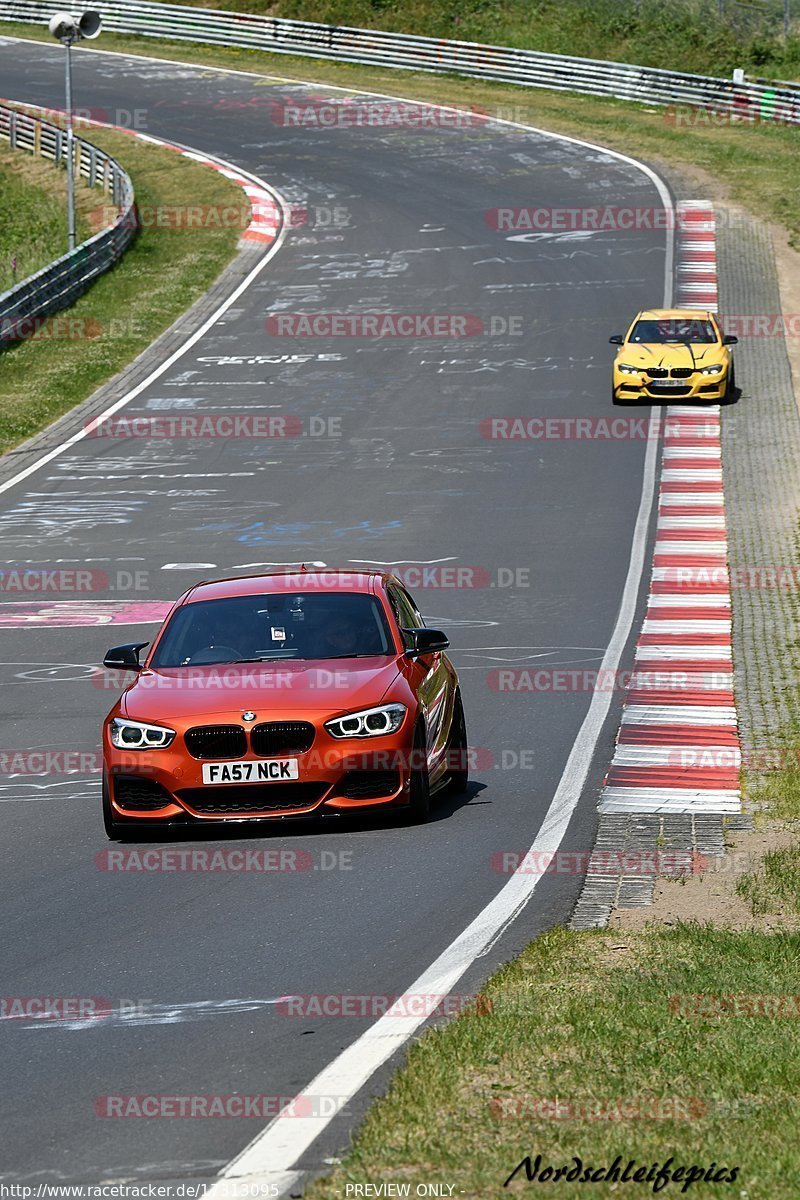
x=714 y=369
x=626 y=369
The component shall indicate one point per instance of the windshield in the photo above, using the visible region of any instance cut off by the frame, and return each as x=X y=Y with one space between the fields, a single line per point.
x=694 y=332
x=276 y=626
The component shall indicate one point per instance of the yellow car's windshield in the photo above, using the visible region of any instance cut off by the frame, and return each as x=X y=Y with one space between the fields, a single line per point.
x=684 y=330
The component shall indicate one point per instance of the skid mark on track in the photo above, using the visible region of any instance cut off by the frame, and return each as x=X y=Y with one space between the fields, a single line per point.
x=146 y=1013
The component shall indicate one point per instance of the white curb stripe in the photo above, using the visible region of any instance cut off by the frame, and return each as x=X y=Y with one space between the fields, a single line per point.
x=670 y=800
x=634 y=755
x=684 y=653
x=679 y=714
x=682 y=600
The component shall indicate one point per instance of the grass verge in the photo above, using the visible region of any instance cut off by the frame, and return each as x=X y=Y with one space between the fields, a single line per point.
x=592 y=1045
x=160 y=276
x=33 y=215
x=774 y=886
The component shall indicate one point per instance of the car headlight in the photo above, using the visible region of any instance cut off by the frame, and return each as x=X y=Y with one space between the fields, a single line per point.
x=369 y=722
x=136 y=735
x=626 y=369
x=714 y=369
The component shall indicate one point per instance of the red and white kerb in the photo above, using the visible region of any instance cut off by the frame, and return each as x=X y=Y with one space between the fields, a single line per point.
x=678 y=746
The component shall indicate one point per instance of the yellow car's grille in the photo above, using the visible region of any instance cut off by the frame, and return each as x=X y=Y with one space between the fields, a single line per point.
x=663 y=372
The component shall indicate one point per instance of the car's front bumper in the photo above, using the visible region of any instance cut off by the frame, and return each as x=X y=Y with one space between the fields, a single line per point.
x=167 y=785
x=641 y=389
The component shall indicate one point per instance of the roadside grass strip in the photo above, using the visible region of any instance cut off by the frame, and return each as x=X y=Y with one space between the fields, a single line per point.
x=679 y=709
x=678 y=1043
x=33 y=214
x=164 y=271
x=774 y=886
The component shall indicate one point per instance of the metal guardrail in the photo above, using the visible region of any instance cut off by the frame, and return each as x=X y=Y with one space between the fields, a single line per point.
x=758 y=99
x=60 y=283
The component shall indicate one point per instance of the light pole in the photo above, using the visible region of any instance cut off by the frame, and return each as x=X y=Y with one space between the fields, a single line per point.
x=69 y=29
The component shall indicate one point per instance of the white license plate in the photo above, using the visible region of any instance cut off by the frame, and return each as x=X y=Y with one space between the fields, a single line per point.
x=271 y=770
x=670 y=382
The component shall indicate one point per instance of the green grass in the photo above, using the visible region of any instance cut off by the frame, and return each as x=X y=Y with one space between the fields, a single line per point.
x=697 y=38
x=33 y=215
x=159 y=277
x=777 y=791
x=774 y=887
x=576 y=1021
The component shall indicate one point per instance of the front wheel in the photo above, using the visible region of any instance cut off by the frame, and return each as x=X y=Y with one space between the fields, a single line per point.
x=458 y=751
x=730 y=391
x=420 y=799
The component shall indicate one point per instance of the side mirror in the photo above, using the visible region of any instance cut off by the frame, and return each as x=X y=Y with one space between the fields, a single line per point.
x=125 y=658
x=427 y=641
x=730 y=340
x=617 y=340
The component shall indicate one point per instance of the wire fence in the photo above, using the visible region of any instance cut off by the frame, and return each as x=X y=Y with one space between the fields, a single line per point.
x=59 y=284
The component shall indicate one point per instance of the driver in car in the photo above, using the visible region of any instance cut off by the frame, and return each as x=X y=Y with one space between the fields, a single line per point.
x=345 y=636
x=219 y=639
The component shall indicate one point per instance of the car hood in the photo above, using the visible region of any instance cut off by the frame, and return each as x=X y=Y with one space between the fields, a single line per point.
x=655 y=354
x=270 y=690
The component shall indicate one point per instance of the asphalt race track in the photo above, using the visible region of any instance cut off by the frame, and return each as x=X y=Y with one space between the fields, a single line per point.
x=399 y=473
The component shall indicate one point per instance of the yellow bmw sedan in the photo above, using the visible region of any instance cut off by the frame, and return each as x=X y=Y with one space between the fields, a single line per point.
x=673 y=354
